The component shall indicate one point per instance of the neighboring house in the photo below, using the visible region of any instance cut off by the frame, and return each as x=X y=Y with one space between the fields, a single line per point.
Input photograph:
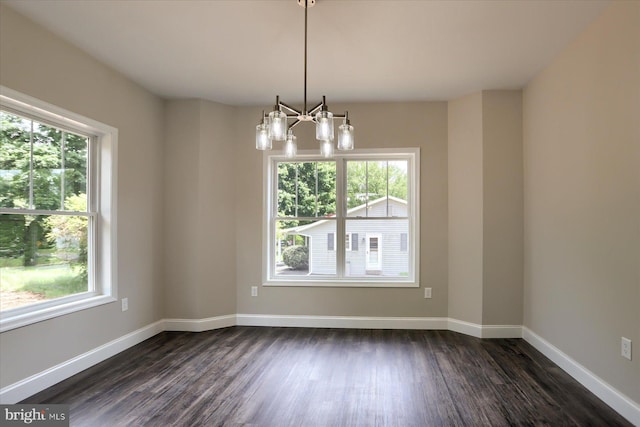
x=373 y=246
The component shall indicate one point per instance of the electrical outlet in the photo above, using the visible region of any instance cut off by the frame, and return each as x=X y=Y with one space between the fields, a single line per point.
x=254 y=291
x=626 y=348
x=125 y=304
x=427 y=292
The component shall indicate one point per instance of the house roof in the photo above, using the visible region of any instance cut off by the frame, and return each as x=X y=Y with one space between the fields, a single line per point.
x=299 y=229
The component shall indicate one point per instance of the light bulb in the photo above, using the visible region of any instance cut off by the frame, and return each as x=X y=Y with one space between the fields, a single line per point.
x=290 y=146
x=345 y=136
x=324 y=126
x=277 y=125
x=262 y=137
x=326 y=149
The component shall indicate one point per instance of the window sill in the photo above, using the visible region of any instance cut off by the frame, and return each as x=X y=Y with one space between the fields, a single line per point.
x=17 y=318
x=340 y=284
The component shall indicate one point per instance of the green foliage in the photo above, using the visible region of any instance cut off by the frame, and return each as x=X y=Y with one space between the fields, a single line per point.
x=41 y=167
x=296 y=257
x=369 y=180
x=308 y=189
x=297 y=192
x=69 y=233
x=51 y=149
x=12 y=233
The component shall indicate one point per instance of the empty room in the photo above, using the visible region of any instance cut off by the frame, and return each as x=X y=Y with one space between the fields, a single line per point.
x=320 y=213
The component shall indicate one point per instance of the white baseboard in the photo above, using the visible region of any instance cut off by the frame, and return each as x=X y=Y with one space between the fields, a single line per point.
x=484 y=331
x=424 y=323
x=200 y=325
x=29 y=386
x=463 y=327
x=341 y=321
x=612 y=397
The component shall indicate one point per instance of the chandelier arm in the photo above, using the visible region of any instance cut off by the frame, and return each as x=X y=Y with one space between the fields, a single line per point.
x=316 y=108
x=295 y=123
x=293 y=110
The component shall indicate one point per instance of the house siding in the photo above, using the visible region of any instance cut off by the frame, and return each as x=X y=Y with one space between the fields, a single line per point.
x=393 y=260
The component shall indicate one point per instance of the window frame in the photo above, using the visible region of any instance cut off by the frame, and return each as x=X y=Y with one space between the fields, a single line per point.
x=102 y=186
x=270 y=189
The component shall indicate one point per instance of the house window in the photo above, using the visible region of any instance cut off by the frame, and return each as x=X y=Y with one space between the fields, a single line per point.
x=57 y=219
x=369 y=197
x=351 y=242
x=403 y=242
x=330 y=242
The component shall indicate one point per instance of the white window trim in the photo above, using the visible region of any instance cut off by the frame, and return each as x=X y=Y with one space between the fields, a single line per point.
x=104 y=183
x=268 y=252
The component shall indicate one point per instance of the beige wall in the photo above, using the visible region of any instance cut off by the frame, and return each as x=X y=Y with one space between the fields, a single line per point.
x=502 y=204
x=465 y=208
x=485 y=208
x=421 y=124
x=200 y=240
x=582 y=198
x=40 y=64
x=182 y=186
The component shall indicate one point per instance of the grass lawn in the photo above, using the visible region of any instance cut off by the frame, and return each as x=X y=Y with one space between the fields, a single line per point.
x=49 y=281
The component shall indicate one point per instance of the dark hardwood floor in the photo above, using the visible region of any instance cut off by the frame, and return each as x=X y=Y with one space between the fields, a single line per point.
x=327 y=377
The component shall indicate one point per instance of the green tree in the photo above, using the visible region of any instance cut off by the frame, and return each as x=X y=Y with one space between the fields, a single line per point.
x=370 y=180
x=40 y=167
x=12 y=233
x=69 y=233
x=366 y=180
x=306 y=189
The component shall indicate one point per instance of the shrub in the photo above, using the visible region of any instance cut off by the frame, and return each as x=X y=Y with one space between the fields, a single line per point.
x=296 y=257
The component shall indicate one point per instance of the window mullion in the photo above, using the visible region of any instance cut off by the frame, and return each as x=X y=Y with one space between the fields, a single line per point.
x=387 y=185
x=316 y=207
x=296 y=198
x=366 y=188
x=31 y=205
x=340 y=217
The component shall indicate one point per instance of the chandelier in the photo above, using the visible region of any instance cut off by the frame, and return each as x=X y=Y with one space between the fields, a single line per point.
x=275 y=126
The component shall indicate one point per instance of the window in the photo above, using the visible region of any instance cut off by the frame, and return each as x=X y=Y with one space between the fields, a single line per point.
x=348 y=240
x=351 y=242
x=403 y=242
x=57 y=216
x=369 y=197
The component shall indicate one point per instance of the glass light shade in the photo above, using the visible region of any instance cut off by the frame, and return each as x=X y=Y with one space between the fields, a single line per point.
x=290 y=146
x=345 y=137
x=277 y=125
x=262 y=137
x=324 y=126
x=326 y=148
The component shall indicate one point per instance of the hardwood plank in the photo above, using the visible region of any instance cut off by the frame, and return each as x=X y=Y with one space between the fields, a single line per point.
x=327 y=377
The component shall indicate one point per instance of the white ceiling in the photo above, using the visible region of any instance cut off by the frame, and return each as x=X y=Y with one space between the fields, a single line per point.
x=244 y=52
